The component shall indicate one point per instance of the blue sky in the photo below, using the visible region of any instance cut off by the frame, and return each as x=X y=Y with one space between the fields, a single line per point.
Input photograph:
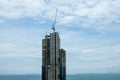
x=89 y=32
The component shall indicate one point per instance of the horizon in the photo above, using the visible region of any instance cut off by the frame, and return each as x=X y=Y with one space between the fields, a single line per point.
x=89 y=32
x=66 y=74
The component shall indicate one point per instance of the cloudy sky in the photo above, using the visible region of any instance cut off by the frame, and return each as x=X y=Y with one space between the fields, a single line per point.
x=89 y=32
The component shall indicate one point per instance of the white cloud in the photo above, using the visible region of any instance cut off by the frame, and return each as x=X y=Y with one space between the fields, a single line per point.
x=87 y=50
x=7 y=46
x=67 y=20
x=18 y=55
x=15 y=9
x=90 y=3
x=99 y=14
x=12 y=50
x=116 y=48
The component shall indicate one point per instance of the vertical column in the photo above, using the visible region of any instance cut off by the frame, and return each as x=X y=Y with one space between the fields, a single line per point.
x=43 y=60
x=63 y=64
x=57 y=56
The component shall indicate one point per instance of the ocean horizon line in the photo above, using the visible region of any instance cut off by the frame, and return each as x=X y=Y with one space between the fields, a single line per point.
x=67 y=74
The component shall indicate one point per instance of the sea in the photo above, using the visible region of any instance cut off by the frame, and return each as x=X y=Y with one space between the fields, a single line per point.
x=69 y=77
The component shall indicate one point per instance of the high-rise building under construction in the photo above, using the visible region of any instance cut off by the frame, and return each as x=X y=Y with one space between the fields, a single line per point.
x=53 y=58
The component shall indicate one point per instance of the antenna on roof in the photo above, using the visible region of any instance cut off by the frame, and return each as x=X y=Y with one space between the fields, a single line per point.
x=53 y=25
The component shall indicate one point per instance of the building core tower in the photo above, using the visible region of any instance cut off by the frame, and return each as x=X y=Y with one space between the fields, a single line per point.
x=53 y=58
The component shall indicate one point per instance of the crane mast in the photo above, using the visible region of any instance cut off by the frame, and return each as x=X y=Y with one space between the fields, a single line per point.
x=54 y=23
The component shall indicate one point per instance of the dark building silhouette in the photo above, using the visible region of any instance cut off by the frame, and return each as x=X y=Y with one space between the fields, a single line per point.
x=53 y=58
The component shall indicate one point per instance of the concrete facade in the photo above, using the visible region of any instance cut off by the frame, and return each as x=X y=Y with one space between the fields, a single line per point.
x=53 y=58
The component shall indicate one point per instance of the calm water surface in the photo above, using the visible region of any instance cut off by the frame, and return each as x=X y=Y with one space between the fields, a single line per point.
x=69 y=77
